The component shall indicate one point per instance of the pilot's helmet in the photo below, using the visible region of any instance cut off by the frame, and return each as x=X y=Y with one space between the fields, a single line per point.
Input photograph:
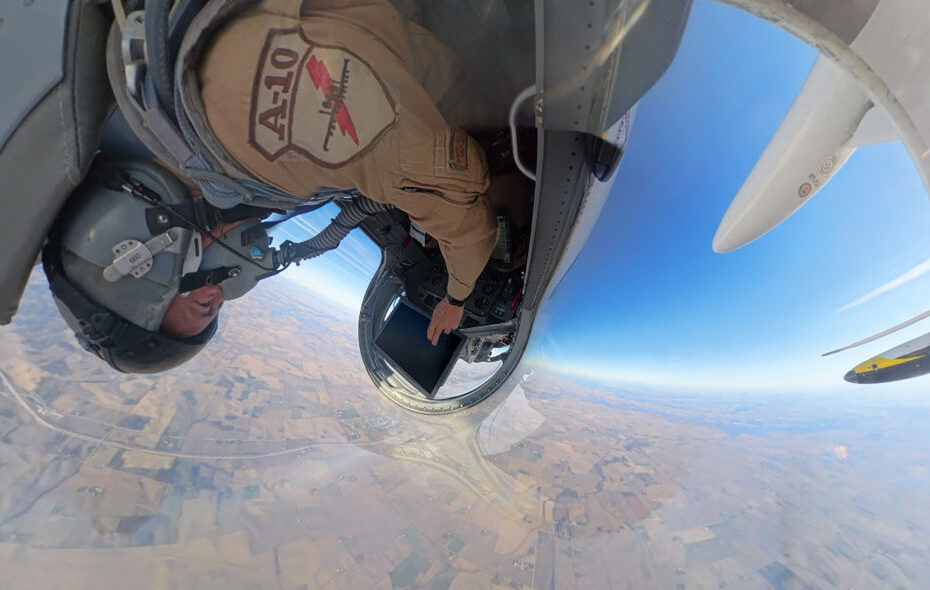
x=119 y=253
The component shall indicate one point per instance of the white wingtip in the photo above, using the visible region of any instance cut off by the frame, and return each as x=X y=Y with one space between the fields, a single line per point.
x=810 y=145
x=732 y=235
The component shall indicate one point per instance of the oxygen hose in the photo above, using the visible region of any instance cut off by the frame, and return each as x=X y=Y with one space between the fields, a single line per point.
x=353 y=213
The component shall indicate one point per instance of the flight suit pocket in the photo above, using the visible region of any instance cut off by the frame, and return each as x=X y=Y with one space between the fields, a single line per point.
x=458 y=158
x=452 y=167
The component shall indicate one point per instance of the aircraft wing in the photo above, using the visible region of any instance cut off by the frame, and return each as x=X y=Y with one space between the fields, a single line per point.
x=812 y=143
x=871 y=88
x=882 y=334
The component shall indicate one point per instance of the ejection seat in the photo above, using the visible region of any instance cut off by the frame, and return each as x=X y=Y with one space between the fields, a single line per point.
x=54 y=101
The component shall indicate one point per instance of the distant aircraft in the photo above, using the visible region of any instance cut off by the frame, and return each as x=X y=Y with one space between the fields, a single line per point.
x=869 y=85
x=911 y=359
x=901 y=362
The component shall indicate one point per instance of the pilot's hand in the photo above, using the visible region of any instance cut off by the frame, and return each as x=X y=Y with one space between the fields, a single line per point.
x=446 y=317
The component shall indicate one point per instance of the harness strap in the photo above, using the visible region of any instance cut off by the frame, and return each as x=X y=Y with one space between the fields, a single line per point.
x=155 y=119
x=211 y=17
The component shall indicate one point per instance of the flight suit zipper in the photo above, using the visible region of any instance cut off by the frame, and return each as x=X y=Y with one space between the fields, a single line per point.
x=417 y=189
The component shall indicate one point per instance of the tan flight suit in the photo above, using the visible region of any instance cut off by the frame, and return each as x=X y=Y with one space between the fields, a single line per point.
x=343 y=94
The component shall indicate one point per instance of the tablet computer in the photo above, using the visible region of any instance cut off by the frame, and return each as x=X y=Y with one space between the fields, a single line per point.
x=402 y=341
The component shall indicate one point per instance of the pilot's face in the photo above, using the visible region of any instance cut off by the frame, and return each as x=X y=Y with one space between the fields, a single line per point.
x=189 y=314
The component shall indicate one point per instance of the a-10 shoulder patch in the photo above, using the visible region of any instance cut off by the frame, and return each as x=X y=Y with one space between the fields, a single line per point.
x=317 y=102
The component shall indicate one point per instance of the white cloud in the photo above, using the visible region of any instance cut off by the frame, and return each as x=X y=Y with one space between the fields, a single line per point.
x=311 y=228
x=910 y=275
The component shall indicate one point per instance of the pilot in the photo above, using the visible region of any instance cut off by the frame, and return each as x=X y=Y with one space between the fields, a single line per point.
x=135 y=268
x=344 y=94
x=339 y=94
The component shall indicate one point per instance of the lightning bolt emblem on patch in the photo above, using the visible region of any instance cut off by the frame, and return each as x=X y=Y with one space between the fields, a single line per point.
x=333 y=99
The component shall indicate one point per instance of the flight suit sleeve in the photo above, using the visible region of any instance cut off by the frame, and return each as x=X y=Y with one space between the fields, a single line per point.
x=466 y=232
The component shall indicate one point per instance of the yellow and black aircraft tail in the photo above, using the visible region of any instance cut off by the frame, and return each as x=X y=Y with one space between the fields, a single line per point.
x=887 y=367
x=905 y=361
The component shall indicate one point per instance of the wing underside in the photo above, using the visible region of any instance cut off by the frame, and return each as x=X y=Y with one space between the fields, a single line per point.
x=829 y=119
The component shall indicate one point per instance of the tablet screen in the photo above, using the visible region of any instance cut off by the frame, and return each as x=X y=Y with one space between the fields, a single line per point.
x=403 y=341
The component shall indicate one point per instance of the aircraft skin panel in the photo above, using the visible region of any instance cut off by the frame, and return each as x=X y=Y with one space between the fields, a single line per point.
x=883 y=362
x=811 y=144
x=884 y=369
x=895 y=44
x=846 y=22
x=595 y=198
x=36 y=71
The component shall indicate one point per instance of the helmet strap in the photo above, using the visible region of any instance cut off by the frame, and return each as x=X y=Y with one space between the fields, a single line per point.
x=202 y=278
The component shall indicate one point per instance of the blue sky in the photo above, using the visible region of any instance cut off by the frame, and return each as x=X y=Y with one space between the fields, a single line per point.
x=670 y=310
x=341 y=276
x=649 y=302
